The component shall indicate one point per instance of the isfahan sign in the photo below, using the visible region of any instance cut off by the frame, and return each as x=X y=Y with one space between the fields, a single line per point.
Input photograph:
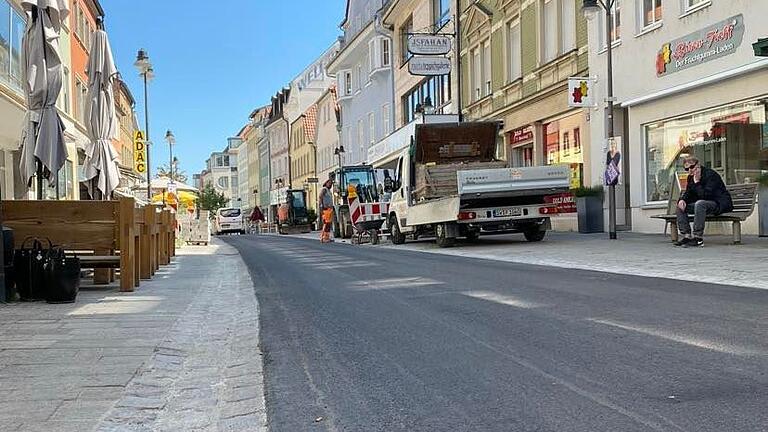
x=426 y=44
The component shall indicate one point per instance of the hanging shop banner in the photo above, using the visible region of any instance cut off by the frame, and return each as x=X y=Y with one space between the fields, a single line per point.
x=580 y=92
x=521 y=135
x=425 y=44
x=710 y=43
x=139 y=152
x=429 y=66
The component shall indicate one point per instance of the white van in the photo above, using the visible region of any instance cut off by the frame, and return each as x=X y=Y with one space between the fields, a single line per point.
x=228 y=220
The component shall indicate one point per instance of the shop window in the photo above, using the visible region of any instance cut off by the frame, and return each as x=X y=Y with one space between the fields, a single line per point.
x=560 y=138
x=651 y=12
x=732 y=140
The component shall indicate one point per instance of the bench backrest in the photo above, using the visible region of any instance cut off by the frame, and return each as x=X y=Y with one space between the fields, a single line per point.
x=744 y=196
x=78 y=225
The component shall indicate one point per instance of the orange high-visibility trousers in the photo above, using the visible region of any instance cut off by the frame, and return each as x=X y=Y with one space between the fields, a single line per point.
x=325 y=233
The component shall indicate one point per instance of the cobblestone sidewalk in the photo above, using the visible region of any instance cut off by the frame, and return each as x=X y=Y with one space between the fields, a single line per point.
x=179 y=354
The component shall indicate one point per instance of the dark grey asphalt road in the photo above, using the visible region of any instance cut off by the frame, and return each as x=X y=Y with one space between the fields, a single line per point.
x=369 y=339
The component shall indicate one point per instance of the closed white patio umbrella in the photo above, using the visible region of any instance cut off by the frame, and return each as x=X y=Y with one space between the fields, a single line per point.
x=101 y=171
x=42 y=141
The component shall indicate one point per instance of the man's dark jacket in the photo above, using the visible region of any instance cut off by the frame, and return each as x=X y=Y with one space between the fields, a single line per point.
x=709 y=188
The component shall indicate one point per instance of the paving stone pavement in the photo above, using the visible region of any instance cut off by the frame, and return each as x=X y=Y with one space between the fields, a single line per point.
x=179 y=354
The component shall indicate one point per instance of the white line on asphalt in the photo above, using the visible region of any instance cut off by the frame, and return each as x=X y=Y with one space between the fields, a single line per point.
x=503 y=299
x=683 y=339
x=412 y=282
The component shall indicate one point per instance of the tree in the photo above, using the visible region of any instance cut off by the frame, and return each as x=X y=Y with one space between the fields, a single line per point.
x=178 y=174
x=212 y=200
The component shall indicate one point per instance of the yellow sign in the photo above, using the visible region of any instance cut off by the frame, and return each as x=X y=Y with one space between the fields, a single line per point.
x=139 y=152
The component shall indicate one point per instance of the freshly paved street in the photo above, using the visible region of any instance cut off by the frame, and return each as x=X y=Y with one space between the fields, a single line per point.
x=360 y=338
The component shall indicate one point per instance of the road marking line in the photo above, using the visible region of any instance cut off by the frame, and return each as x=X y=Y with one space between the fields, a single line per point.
x=502 y=299
x=683 y=339
x=412 y=282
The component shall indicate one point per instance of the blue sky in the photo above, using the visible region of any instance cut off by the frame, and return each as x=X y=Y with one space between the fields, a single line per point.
x=215 y=61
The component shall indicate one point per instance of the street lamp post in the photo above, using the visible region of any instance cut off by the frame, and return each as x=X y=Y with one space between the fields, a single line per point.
x=591 y=8
x=144 y=67
x=171 y=141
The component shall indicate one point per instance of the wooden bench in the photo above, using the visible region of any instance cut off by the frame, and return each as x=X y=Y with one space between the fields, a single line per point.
x=103 y=228
x=744 y=198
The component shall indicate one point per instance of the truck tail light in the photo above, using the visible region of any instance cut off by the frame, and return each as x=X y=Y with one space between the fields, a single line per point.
x=548 y=210
x=467 y=215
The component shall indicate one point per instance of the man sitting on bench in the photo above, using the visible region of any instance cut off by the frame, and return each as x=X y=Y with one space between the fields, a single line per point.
x=704 y=196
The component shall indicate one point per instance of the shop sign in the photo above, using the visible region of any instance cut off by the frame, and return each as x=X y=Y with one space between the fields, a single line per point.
x=425 y=44
x=429 y=66
x=139 y=152
x=521 y=135
x=565 y=202
x=713 y=42
x=580 y=92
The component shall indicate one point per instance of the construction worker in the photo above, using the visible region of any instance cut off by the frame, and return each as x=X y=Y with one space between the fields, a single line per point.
x=325 y=205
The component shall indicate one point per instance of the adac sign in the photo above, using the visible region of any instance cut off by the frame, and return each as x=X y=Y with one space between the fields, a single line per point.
x=139 y=152
x=716 y=41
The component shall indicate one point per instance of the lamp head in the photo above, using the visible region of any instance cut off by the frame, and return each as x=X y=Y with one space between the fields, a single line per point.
x=590 y=8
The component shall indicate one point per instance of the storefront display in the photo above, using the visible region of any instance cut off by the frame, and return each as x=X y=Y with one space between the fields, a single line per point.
x=562 y=145
x=729 y=139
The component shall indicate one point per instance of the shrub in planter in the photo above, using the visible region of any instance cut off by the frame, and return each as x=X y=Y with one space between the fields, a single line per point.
x=762 y=204
x=589 y=207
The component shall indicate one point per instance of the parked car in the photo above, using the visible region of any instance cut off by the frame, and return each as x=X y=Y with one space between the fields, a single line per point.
x=228 y=220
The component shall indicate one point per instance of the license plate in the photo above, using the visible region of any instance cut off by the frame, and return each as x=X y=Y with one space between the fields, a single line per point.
x=225 y=225
x=508 y=212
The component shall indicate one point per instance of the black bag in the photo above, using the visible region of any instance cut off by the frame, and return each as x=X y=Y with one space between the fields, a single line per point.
x=28 y=263
x=61 y=277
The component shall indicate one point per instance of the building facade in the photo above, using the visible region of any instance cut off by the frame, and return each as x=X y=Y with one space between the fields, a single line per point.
x=277 y=130
x=252 y=137
x=401 y=19
x=687 y=82
x=328 y=134
x=516 y=58
x=304 y=153
x=234 y=148
x=364 y=76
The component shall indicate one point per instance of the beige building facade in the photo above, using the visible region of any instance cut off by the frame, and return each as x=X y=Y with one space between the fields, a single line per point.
x=304 y=154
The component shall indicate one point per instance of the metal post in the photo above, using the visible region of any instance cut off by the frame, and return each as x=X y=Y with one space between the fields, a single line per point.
x=611 y=128
x=457 y=36
x=146 y=139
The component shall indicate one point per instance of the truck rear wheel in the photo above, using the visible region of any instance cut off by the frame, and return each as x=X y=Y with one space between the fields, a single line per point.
x=534 y=235
x=443 y=241
x=398 y=237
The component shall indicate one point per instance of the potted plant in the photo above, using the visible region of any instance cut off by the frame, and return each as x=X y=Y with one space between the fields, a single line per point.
x=589 y=207
x=762 y=204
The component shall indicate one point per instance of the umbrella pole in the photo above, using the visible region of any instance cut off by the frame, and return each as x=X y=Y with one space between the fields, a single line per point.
x=39 y=176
